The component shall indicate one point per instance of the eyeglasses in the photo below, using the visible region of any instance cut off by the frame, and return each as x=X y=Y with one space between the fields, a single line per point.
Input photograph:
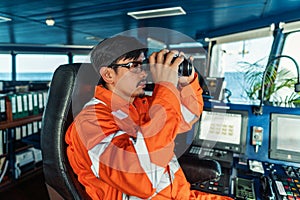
x=133 y=66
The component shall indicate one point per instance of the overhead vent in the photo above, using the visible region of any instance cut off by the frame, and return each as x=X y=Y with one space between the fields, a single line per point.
x=4 y=19
x=164 y=12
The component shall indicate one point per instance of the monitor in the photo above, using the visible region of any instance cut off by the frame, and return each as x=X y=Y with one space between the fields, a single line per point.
x=222 y=129
x=213 y=88
x=285 y=137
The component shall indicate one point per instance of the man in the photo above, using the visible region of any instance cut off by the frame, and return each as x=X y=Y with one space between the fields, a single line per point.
x=121 y=144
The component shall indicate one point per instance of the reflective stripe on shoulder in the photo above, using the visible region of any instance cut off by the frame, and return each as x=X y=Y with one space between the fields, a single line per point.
x=94 y=101
x=119 y=113
x=98 y=150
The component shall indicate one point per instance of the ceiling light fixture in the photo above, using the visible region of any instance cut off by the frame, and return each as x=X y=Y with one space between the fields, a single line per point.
x=50 y=21
x=164 y=12
x=4 y=19
x=186 y=45
x=93 y=38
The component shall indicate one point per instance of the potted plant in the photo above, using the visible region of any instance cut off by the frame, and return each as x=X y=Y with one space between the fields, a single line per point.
x=279 y=84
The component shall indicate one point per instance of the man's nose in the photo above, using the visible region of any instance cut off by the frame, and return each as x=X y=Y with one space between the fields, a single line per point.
x=144 y=73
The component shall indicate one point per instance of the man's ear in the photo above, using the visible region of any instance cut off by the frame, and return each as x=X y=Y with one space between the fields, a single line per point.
x=106 y=74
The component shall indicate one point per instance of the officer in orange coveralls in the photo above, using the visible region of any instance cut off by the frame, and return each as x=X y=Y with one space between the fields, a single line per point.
x=121 y=145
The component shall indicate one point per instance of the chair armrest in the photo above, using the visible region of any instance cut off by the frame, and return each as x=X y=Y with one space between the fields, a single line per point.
x=198 y=170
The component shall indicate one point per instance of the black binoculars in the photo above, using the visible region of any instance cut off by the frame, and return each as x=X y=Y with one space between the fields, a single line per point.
x=184 y=69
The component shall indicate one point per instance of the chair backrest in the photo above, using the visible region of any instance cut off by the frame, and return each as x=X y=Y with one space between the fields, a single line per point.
x=71 y=87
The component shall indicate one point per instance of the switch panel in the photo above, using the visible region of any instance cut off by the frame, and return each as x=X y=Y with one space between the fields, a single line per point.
x=257 y=135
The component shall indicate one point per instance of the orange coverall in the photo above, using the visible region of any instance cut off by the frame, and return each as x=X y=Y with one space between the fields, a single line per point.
x=124 y=151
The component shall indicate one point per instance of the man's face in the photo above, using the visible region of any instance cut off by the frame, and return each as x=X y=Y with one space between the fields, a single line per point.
x=130 y=83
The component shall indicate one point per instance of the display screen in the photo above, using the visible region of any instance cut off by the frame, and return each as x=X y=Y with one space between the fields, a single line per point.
x=285 y=137
x=213 y=88
x=222 y=129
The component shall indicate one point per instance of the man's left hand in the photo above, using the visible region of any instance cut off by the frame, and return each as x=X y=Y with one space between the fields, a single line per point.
x=185 y=80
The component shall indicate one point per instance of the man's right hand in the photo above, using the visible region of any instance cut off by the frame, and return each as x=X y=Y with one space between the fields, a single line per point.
x=162 y=68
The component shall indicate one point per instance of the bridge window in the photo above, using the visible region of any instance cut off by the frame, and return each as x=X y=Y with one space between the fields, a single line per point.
x=236 y=56
x=81 y=59
x=38 y=66
x=5 y=67
x=287 y=68
x=291 y=48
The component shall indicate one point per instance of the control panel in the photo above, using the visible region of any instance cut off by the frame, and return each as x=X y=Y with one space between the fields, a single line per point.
x=286 y=180
x=224 y=157
x=220 y=186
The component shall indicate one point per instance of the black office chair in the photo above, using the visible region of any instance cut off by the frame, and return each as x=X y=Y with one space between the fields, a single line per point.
x=77 y=81
x=68 y=82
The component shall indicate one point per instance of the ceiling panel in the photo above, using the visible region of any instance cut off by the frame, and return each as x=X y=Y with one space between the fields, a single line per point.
x=77 y=20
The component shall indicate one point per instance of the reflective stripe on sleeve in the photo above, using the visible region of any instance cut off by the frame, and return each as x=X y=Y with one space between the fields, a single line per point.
x=187 y=115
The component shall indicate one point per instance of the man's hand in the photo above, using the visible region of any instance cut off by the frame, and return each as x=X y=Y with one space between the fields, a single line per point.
x=162 y=67
x=185 y=80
